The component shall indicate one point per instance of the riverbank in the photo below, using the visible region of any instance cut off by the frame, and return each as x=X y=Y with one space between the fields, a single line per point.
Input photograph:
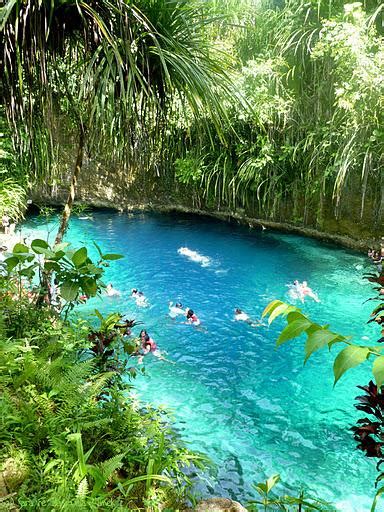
x=239 y=217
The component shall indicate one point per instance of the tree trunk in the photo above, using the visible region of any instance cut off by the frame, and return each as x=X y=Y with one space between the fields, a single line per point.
x=72 y=190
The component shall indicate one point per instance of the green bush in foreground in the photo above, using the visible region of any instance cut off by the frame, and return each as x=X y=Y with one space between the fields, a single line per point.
x=71 y=437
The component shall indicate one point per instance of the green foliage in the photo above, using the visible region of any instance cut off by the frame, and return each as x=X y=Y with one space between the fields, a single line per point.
x=318 y=337
x=188 y=171
x=306 y=114
x=117 y=71
x=71 y=436
x=12 y=199
x=74 y=272
x=270 y=501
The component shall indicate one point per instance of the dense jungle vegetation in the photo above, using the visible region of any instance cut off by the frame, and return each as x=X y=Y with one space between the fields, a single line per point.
x=271 y=109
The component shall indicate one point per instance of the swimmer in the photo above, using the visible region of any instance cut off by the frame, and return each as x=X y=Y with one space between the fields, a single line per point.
x=295 y=291
x=299 y=291
x=175 y=310
x=111 y=291
x=194 y=256
x=148 y=346
x=139 y=297
x=243 y=317
x=192 y=318
x=308 y=292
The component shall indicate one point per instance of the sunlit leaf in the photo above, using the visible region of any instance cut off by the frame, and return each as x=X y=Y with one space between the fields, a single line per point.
x=272 y=481
x=348 y=358
x=318 y=339
x=378 y=370
x=279 y=310
x=292 y=330
x=271 y=306
x=69 y=290
x=80 y=256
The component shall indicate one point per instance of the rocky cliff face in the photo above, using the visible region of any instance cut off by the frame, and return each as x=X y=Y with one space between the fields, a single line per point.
x=104 y=184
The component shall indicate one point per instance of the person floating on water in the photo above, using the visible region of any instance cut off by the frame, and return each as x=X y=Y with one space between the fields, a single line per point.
x=308 y=292
x=299 y=291
x=194 y=256
x=192 y=318
x=147 y=346
x=240 y=316
x=111 y=291
x=139 y=297
x=175 y=310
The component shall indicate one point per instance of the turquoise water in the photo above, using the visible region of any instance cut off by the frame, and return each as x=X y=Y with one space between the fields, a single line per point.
x=254 y=410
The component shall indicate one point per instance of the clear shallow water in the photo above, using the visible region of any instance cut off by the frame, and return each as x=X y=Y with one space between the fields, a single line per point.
x=254 y=410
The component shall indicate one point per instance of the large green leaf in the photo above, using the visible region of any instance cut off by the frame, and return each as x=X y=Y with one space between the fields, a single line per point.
x=69 y=290
x=80 y=256
x=89 y=286
x=20 y=249
x=280 y=310
x=378 y=370
x=294 y=315
x=318 y=339
x=112 y=256
x=292 y=330
x=271 y=306
x=11 y=262
x=348 y=358
x=38 y=244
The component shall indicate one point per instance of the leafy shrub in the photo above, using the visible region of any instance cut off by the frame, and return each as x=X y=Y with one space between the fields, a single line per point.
x=71 y=436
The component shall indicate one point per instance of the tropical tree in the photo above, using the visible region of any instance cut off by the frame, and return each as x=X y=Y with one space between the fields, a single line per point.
x=112 y=68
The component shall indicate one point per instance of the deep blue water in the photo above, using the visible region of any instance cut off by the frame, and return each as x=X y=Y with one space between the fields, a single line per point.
x=255 y=411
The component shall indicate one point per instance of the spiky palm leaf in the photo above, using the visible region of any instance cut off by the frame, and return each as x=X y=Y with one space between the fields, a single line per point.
x=129 y=60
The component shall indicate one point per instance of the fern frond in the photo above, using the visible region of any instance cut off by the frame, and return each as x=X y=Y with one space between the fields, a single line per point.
x=83 y=488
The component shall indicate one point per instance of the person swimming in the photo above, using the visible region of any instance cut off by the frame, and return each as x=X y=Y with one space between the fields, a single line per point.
x=192 y=318
x=308 y=292
x=148 y=346
x=139 y=297
x=111 y=291
x=299 y=291
x=194 y=256
x=175 y=310
x=240 y=316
